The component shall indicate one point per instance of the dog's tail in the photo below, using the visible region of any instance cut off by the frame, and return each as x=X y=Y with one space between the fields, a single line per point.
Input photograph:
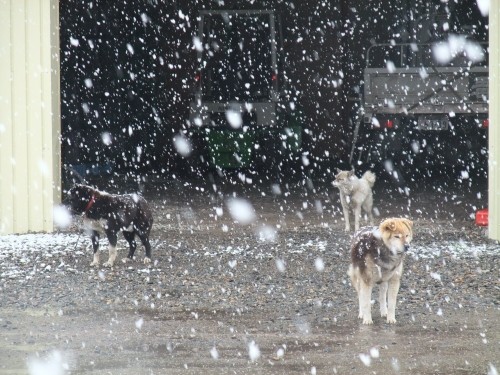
x=370 y=177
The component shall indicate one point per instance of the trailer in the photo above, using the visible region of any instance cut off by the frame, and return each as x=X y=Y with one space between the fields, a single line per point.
x=419 y=112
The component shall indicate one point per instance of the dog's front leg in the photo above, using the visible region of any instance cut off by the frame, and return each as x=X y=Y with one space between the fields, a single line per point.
x=130 y=237
x=365 y=303
x=95 y=247
x=392 y=295
x=345 y=208
x=112 y=238
x=383 y=298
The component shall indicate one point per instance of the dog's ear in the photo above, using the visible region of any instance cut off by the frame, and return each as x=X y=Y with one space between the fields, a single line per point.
x=388 y=225
x=338 y=169
x=74 y=188
x=408 y=223
x=78 y=187
x=351 y=172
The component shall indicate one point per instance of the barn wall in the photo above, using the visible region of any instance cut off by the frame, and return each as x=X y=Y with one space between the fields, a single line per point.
x=494 y=129
x=29 y=115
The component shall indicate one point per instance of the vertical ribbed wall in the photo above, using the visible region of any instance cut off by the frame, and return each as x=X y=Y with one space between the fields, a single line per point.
x=29 y=115
x=494 y=119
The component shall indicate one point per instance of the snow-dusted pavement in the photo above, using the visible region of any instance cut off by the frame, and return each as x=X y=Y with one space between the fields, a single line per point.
x=270 y=296
x=46 y=253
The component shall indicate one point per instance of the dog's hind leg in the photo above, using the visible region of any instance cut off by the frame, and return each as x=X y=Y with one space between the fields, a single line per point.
x=112 y=238
x=382 y=300
x=355 y=281
x=357 y=216
x=130 y=237
x=365 y=303
x=95 y=247
x=147 y=246
x=368 y=207
x=391 y=298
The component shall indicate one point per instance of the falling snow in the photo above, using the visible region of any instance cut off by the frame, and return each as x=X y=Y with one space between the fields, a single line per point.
x=233 y=124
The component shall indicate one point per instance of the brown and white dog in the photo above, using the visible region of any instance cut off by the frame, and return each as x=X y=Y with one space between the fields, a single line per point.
x=377 y=256
x=355 y=194
x=109 y=214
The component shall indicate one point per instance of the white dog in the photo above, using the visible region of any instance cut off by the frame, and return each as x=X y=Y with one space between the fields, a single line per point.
x=355 y=193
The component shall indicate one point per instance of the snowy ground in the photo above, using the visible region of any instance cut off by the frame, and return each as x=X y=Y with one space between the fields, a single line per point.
x=224 y=298
x=45 y=252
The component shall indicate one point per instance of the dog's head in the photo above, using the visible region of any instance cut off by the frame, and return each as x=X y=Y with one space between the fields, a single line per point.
x=397 y=234
x=79 y=198
x=342 y=177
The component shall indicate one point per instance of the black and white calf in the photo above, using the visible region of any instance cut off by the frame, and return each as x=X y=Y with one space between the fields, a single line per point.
x=109 y=214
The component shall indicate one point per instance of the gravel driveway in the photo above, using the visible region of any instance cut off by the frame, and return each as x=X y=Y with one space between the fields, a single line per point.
x=268 y=297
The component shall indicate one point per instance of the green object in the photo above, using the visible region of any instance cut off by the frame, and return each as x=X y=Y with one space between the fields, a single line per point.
x=234 y=149
x=230 y=149
x=293 y=137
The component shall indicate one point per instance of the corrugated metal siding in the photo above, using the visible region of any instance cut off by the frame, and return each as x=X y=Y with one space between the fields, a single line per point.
x=494 y=120
x=29 y=115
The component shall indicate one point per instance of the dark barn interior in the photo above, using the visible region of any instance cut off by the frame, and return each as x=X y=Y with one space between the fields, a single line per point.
x=127 y=72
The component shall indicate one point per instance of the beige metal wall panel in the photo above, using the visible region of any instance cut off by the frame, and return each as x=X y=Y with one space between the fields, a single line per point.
x=494 y=120
x=19 y=121
x=6 y=131
x=29 y=115
x=34 y=116
x=52 y=118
